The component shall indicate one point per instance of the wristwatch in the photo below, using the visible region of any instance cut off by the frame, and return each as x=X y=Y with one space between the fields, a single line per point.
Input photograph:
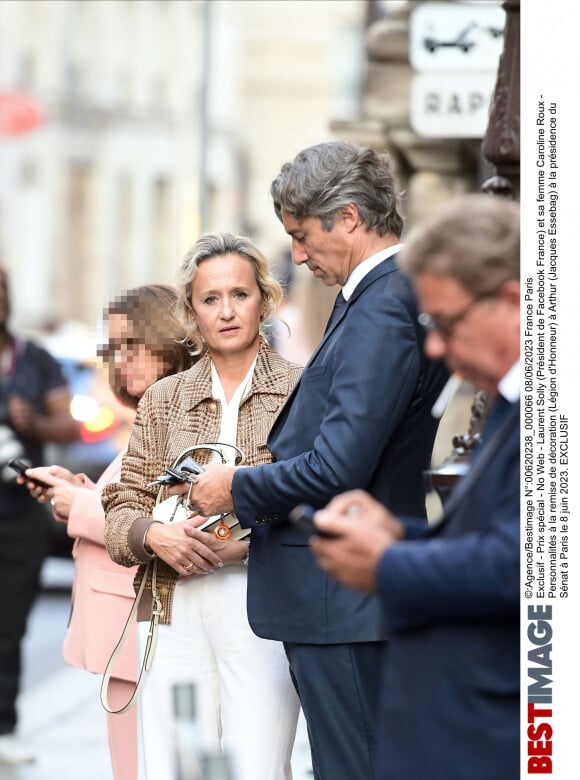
x=246 y=557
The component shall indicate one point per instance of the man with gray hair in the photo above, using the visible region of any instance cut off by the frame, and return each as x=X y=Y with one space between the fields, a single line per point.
x=359 y=417
x=451 y=593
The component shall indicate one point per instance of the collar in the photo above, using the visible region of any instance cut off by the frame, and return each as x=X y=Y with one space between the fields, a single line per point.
x=270 y=376
x=509 y=385
x=366 y=267
x=241 y=390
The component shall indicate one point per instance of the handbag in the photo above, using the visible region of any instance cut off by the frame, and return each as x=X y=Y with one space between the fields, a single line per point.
x=175 y=508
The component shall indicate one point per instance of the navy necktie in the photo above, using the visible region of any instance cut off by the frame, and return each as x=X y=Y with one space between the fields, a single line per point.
x=339 y=302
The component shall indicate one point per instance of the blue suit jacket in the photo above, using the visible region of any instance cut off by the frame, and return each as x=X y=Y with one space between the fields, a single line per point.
x=358 y=418
x=450 y=693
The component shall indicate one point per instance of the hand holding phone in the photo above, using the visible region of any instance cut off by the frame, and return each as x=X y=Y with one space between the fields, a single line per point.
x=21 y=467
x=301 y=518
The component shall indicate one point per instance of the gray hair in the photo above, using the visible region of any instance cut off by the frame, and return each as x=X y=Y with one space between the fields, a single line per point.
x=323 y=179
x=214 y=245
x=474 y=238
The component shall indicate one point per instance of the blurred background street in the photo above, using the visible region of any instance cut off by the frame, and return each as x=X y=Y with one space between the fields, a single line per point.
x=128 y=128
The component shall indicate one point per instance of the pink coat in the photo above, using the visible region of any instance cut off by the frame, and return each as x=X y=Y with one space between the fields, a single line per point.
x=102 y=593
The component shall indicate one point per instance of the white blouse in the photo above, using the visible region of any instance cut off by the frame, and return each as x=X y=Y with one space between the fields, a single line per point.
x=229 y=426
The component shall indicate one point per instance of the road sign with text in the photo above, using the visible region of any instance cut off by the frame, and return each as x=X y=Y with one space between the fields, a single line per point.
x=445 y=105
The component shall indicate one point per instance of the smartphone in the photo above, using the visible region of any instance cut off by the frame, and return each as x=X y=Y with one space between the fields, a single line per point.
x=20 y=466
x=301 y=518
x=175 y=476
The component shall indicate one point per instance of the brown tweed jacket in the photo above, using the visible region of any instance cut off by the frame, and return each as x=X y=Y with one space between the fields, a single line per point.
x=175 y=413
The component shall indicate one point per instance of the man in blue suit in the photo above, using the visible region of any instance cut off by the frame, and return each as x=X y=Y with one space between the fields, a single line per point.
x=450 y=594
x=359 y=417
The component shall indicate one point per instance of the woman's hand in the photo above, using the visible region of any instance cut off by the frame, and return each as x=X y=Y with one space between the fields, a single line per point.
x=187 y=554
x=230 y=552
x=61 y=487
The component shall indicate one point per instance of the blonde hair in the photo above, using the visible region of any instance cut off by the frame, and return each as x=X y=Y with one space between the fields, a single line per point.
x=214 y=245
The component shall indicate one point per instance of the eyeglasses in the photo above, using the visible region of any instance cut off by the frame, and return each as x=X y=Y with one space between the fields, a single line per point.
x=445 y=326
x=128 y=347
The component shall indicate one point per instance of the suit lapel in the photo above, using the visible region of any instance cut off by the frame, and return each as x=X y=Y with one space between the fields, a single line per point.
x=380 y=270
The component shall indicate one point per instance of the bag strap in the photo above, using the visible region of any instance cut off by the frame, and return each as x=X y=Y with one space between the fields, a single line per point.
x=151 y=642
x=212 y=446
x=149 y=645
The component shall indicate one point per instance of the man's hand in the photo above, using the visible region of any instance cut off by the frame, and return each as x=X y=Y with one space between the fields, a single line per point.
x=363 y=530
x=211 y=493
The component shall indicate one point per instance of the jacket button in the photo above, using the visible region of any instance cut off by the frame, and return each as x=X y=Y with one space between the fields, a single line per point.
x=269 y=518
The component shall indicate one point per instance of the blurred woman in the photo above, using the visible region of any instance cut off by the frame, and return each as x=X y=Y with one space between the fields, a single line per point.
x=144 y=344
x=247 y=706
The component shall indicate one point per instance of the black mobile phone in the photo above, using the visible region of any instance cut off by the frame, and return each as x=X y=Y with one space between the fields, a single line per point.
x=175 y=476
x=21 y=466
x=301 y=518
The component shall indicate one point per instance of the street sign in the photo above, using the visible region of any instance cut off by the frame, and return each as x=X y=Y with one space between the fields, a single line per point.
x=456 y=36
x=451 y=105
x=18 y=114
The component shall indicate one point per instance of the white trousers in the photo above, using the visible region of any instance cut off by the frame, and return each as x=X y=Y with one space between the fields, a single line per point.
x=247 y=706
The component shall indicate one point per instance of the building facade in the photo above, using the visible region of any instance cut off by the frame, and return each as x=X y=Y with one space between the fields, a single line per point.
x=160 y=119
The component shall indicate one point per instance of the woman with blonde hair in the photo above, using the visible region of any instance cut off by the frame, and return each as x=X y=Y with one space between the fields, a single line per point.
x=247 y=706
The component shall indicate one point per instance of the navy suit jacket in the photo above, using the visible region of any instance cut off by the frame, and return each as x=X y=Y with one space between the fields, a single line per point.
x=358 y=418
x=450 y=693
